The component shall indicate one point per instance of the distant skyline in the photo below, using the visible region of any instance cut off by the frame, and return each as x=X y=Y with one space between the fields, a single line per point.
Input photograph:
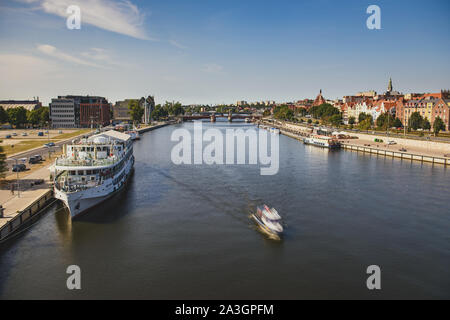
x=210 y=52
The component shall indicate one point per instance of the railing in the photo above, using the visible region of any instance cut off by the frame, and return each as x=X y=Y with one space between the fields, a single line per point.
x=397 y=154
x=85 y=163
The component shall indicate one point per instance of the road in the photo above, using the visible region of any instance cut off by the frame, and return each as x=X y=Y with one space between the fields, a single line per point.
x=43 y=151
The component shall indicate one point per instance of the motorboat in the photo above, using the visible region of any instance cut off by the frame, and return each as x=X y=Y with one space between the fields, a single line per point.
x=268 y=220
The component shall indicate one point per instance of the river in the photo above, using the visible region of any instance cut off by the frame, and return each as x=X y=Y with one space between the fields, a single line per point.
x=184 y=232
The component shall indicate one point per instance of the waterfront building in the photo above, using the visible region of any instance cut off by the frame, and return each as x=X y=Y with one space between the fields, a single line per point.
x=241 y=103
x=121 y=111
x=29 y=105
x=65 y=112
x=382 y=106
x=370 y=93
x=85 y=111
x=423 y=106
x=441 y=109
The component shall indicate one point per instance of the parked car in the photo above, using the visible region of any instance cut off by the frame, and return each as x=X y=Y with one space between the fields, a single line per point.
x=38 y=157
x=19 y=167
x=40 y=134
x=33 y=160
x=24 y=134
x=402 y=150
x=14 y=134
x=8 y=136
x=391 y=142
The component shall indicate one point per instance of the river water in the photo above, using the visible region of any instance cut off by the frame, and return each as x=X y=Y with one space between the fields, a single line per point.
x=184 y=232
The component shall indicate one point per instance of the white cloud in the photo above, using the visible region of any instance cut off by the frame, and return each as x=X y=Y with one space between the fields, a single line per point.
x=177 y=44
x=212 y=68
x=58 y=54
x=117 y=16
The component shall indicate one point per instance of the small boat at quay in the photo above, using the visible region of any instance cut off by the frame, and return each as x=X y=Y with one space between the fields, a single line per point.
x=322 y=141
x=134 y=134
x=268 y=220
x=275 y=130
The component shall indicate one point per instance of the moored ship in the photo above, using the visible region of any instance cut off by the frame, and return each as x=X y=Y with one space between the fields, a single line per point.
x=92 y=170
x=134 y=134
x=322 y=141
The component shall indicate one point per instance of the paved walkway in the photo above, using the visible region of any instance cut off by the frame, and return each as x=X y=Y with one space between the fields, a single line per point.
x=432 y=152
x=14 y=204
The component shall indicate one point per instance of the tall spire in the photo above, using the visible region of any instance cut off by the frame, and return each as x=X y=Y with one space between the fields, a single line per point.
x=390 y=85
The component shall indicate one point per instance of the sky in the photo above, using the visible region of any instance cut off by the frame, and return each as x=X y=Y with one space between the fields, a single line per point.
x=211 y=51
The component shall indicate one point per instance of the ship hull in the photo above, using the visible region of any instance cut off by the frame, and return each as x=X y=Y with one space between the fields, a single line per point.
x=264 y=227
x=321 y=145
x=82 y=201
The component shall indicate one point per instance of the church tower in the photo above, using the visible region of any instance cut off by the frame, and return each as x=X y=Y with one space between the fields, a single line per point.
x=390 y=85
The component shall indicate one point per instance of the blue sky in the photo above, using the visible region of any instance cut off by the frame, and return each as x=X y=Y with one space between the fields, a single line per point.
x=221 y=51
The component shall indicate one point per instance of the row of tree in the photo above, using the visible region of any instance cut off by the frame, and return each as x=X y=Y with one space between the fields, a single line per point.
x=20 y=117
x=159 y=111
x=416 y=121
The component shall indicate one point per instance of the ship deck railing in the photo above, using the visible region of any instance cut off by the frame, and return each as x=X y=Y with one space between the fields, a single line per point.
x=85 y=163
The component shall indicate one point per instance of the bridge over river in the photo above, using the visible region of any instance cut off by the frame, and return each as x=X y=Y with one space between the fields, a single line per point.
x=214 y=116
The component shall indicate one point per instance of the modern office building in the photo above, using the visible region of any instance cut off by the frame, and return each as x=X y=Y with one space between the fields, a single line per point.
x=79 y=112
x=65 y=112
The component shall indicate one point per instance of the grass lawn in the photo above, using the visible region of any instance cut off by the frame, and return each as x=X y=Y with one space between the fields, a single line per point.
x=71 y=134
x=24 y=146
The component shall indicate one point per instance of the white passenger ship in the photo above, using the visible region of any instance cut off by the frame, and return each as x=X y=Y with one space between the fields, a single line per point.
x=92 y=170
x=322 y=141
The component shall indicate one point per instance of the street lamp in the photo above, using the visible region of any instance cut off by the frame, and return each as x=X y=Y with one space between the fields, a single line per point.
x=17 y=172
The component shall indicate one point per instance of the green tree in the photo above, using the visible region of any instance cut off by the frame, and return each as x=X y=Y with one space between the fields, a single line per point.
x=309 y=121
x=397 y=123
x=136 y=110
x=362 y=116
x=174 y=108
x=159 y=112
x=3 y=115
x=351 y=120
x=3 y=164
x=283 y=113
x=415 y=121
x=33 y=117
x=17 y=116
x=323 y=111
x=366 y=124
x=335 y=120
x=426 y=125
x=44 y=116
x=385 y=121
x=438 y=125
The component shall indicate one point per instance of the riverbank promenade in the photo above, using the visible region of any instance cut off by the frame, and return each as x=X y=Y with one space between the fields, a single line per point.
x=14 y=205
